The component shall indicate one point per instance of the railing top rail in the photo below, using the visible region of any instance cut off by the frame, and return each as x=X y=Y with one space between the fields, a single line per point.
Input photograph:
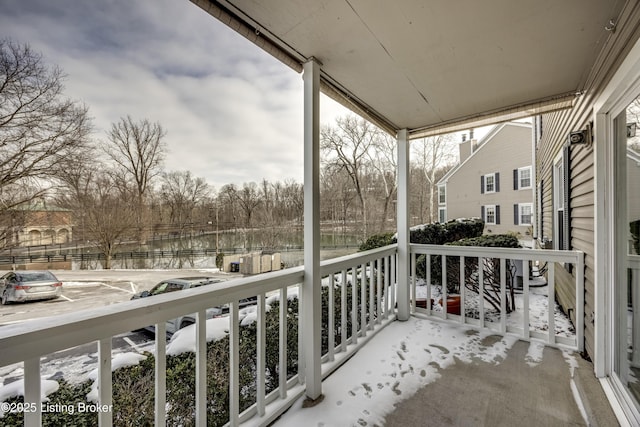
x=348 y=261
x=38 y=337
x=510 y=253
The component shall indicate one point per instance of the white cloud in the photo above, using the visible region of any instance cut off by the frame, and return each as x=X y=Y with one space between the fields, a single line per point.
x=232 y=113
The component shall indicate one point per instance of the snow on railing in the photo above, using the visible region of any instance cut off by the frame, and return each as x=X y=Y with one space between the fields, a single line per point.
x=527 y=308
x=360 y=292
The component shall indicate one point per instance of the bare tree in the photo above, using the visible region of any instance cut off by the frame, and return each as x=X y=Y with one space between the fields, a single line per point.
x=137 y=149
x=109 y=217
x=248 y=198
x=39 y=127
x=183 y=193
x=383 y=160
x=432 y=154
x=346 y=146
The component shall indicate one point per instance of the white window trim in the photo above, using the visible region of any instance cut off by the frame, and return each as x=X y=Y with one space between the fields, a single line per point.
x=520 y=207
x=442 y=187
x=441 y=209
x=558 y=197
x=486 y=214
x=622 y=88
x=520 y=186
x=493 y=176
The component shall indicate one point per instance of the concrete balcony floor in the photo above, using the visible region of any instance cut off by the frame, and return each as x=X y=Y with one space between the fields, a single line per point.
x=428 y=373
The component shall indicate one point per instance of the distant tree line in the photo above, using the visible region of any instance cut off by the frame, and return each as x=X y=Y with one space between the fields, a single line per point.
x=118 y=190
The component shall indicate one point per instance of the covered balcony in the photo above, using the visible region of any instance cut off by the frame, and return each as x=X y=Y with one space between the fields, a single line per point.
x=361 y=297
x=414 y=69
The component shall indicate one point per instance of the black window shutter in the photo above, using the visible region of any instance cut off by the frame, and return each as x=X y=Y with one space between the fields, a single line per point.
x=482 y=184
x=497 y=214
x=482 y=214
x=516 y=220
x=515 y=179
x=497 y=182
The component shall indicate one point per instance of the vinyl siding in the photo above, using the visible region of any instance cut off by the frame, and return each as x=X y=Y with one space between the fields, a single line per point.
x=464 y=198
x=556 y=128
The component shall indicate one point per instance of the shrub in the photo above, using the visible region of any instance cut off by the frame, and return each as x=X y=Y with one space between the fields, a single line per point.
x=377 y=241
x=490 y=269
x=441 y=234
x=634 y=228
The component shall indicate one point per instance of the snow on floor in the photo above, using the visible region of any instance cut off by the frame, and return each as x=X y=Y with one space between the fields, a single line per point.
x=401 y=359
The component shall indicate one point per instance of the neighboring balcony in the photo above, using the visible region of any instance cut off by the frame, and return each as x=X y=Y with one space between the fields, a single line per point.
x=359 y=300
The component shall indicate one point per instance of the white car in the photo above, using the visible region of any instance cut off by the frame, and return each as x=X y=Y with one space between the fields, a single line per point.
x=22 y=286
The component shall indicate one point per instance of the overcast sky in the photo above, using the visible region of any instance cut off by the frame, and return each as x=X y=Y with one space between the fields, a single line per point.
x=232 y=113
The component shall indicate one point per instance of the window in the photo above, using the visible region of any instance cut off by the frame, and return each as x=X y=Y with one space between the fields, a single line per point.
x=490 y=214
x=490 y=183
x=522 y=178
x=523 y=213
x=442 y=215
x=442 y=194
x=561 y=229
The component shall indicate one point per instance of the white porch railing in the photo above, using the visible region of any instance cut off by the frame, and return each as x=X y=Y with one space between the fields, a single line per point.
x=475 y=313
x=366 y=276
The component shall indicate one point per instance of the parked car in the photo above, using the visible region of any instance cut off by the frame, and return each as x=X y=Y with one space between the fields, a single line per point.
x=179 y=284
x=21 y=286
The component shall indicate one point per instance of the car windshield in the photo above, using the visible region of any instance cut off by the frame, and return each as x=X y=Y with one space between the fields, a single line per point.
x=35 y=276
x=165 y=287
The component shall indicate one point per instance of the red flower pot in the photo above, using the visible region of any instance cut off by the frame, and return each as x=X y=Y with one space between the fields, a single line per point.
x=453 y=304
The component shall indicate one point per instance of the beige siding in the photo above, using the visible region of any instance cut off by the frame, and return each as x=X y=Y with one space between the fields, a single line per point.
x=556 y=128
x=508 y=149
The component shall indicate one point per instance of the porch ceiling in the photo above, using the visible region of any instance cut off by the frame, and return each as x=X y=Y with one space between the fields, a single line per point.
x=433 y=66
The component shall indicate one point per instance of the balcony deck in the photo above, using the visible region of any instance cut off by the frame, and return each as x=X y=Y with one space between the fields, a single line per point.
x=425 y=372
x=381 y=369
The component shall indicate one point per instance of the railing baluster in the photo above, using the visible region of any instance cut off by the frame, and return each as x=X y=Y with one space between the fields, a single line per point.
x=394 y=279
x=503 y=295
x=32 y=392
x=331 y=314
x=363 y=299
x=283 y=343
x=201 y=369
x=343 y=311
x=427 y=268
x=388 y=307
x=444 y=286
x=462 y=292
x=379 y=289
x=580 y=301
x=161 y=374
x=552 y=302
x=354 y=305
x=261 y=349
x=525 y=300
x=413 y=298
x=104 y=382
x=372 y=294
x=234 y=365
x=481 y=290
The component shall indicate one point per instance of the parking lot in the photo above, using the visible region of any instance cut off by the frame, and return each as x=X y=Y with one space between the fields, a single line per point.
x=89 y=289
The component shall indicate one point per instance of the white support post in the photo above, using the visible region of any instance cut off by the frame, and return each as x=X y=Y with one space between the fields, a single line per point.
x=105 y=395
x=403 y=226
x=201 y=368
x=312 y=297
x=161 y=374
x=32 y=393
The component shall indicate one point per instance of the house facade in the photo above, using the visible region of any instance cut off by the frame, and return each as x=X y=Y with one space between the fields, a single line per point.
x=500 y=165
x=39 y=224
